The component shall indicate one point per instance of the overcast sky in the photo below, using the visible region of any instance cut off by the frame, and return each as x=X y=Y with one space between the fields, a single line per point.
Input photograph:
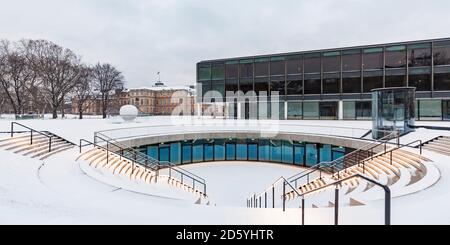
x=142 y=37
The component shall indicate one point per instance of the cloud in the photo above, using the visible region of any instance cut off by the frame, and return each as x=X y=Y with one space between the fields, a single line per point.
x=142 y=37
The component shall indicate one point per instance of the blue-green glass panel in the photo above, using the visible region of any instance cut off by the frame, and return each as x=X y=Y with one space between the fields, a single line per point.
x=325 y=153
x=311 y=155
x=231 y=152
x=275 y=151
x=197 y=152
x=175 y=153
x=187 y=154
x=209 y=152
x=241 y=152
x=264 y=150
x=152 y=151
x=219 y=150
x=288 y=152
x=253 y=152
x=164 y=153
x=299 y=155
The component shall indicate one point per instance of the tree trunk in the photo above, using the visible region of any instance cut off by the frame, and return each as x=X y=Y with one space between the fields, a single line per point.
x=80 y=113
x=55 y=113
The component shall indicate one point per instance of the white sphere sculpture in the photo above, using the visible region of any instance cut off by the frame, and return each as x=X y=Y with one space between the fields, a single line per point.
x=129 y=113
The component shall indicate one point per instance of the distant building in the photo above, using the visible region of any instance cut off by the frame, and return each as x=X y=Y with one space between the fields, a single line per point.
x=156 y=100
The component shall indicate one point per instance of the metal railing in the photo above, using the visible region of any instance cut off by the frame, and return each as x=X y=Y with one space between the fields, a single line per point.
x=32 y=133
x=138 y=158
x=387 y=197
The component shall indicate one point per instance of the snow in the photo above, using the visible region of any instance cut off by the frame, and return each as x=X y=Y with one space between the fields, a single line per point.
x=59 y=190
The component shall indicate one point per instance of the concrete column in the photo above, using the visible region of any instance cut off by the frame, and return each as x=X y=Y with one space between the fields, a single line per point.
x=285 y=110
x=341 y=110
x=239 y=110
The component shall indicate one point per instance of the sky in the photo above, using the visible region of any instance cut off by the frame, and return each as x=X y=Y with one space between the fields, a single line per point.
x=143 y=37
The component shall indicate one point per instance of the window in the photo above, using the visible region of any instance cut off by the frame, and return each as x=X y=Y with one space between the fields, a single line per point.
x=175 y=153
x=275 y=151
x=328 y=110
x=395 y=78
x=246 y=68
x=294 y=65
x=152 y=151
x=246 y=85
x=218 y=71
x=295 y=110
x=287 y=152
x=241 y=150
x=430 y=110
x=208 y=152
x=331 y=83
x=372 y=80
x=277 y=66
x=396 y=57
x=230 y=151
x=311 y=155
x=264 y=150
x=351 y=60
x=294 y=85
x=351 y=82
x=262 y=67
x=204 y=72
x=311 y=110
x=218 y=86
x=219 y=150
x=232 y=69
x=420 y=78
x=325 y=153
x=373 y=58
x=364 y=110
x=186 y=152
x=332 y=62
x=252 y=151
x=419 y=55
x=299 y=154
x=441 y=53
x=231 y=86
x=313 y=84
x=349 y=110
x=442 y=79
x=278 y=85
x=312 y=63
x=164 y=153
x=262 y=85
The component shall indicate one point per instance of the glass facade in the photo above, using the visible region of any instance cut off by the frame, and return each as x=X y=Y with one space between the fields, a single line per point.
x=264 y=150
x=339 y=74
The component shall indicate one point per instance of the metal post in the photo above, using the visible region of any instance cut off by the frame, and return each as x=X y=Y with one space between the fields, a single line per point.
x=387 y=207
x=260 y=202
x=50 y=144
x=273 y=196
x=31 y=137
x=391 y=158
x=254 y=200
x=284 y=196
x=336 y=206
x=12 y=129
x=107 y=152
x=303 y=211
x=265 y=199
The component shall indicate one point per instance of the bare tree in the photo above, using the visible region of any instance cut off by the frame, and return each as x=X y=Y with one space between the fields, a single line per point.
x=15 y=75
x=58 y=69
x=107 y=80
x=83 y=91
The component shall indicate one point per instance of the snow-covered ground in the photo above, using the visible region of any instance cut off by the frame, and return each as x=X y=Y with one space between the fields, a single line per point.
x=58 y=191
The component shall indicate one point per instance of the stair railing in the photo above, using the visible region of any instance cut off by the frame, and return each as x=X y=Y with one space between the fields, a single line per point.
x=32 y=132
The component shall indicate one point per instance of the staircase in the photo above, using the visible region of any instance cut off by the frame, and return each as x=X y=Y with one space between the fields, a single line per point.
x=36 y=144
x=406 y=169
x=101 y=158
x=440 y=145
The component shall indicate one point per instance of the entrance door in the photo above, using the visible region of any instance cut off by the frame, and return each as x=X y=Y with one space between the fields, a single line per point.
x=446 y=110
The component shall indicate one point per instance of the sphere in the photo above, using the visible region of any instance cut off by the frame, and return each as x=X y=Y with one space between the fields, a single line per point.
x=129 y=113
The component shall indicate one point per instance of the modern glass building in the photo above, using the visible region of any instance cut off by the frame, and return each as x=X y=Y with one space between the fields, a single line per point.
x=334 y=83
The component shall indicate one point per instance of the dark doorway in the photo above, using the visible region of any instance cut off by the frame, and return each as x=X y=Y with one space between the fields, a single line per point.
x=328 y=110
x=446 y=110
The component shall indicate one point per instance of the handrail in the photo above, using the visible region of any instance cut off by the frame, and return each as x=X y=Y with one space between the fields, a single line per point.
x=57 y=136
x=157 y=165
x=252 y=203
x=31 y=135
x=334 y=165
